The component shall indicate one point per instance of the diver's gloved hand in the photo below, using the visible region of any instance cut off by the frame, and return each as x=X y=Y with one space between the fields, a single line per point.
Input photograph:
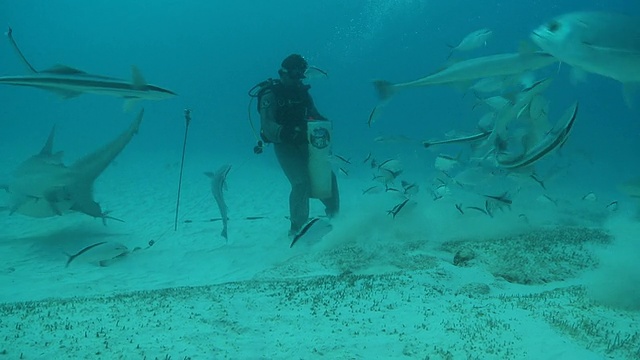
x=293 y=134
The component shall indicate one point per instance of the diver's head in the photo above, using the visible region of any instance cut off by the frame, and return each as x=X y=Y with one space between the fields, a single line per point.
x=292 y=69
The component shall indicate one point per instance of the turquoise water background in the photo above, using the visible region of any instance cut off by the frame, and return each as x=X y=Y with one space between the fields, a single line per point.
x=212 y=53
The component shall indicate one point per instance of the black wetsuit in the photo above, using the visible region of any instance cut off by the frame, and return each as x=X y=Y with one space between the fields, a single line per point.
x=286 y=108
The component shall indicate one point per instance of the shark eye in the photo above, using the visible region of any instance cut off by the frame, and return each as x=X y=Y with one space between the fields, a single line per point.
x=553 y=26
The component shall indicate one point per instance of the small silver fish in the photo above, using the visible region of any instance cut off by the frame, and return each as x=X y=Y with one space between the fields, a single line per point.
x=473 y=40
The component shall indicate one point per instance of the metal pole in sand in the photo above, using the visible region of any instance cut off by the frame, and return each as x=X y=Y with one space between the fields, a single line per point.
x=187 y=118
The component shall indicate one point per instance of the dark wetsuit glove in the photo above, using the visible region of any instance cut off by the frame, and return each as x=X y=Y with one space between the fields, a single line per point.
x=291 y=134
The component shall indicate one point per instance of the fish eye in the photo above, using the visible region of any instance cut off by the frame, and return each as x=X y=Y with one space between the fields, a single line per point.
x=553 y=26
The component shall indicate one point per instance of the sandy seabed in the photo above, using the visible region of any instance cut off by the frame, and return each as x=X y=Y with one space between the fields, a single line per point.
x=429 y=284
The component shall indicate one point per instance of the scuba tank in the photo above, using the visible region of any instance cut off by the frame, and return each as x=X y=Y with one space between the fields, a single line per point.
x=255 y=93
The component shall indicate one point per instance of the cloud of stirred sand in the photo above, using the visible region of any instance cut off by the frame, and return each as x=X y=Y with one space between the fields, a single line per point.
x=616 y=281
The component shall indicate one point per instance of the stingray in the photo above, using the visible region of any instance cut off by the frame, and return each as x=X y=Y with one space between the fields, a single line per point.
x=42 y=186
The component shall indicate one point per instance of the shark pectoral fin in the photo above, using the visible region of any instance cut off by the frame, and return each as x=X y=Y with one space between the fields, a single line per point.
x=628 y=91
x=129 y=104
x=55 y=197
x=87 y=206
x=137 y=79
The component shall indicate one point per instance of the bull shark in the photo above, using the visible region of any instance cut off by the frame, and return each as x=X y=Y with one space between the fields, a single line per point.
x=602 y=43
x=473 y=69
x=68 y=82
x=42 y=186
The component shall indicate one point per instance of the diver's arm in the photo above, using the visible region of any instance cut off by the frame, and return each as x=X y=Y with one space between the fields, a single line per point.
x=270 y=129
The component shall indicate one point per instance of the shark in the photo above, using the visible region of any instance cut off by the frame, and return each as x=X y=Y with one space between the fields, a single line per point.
x=42 y=186
x=68 y=82
x=472 y=69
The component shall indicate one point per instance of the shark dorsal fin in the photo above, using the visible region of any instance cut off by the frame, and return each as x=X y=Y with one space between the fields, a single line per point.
x=63 y=69
x=48 y=146
x=137 y=79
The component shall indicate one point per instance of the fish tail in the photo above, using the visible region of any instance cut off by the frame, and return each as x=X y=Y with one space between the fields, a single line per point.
x=384 y=89
x=69 y=259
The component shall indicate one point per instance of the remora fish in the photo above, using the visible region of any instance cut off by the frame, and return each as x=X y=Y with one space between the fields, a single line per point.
x=554 y=139
x=315 y=229
x=68 y=82
x=597 y=42
x=218 y=185
x=43 y=186
x=473 y=69
x=104 y=254
x=462 y=139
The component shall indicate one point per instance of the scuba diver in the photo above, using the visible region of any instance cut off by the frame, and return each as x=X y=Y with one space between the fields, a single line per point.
x=285 y=107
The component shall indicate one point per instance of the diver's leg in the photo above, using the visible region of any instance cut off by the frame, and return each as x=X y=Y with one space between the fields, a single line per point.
x=332 y=204
x=294 y=162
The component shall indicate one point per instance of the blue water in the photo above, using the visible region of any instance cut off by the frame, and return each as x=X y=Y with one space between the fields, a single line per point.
x=211 y=54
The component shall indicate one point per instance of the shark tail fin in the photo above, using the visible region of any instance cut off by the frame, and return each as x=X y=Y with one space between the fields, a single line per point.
x=24 y=60
x=384 y=88
x=69 y=259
